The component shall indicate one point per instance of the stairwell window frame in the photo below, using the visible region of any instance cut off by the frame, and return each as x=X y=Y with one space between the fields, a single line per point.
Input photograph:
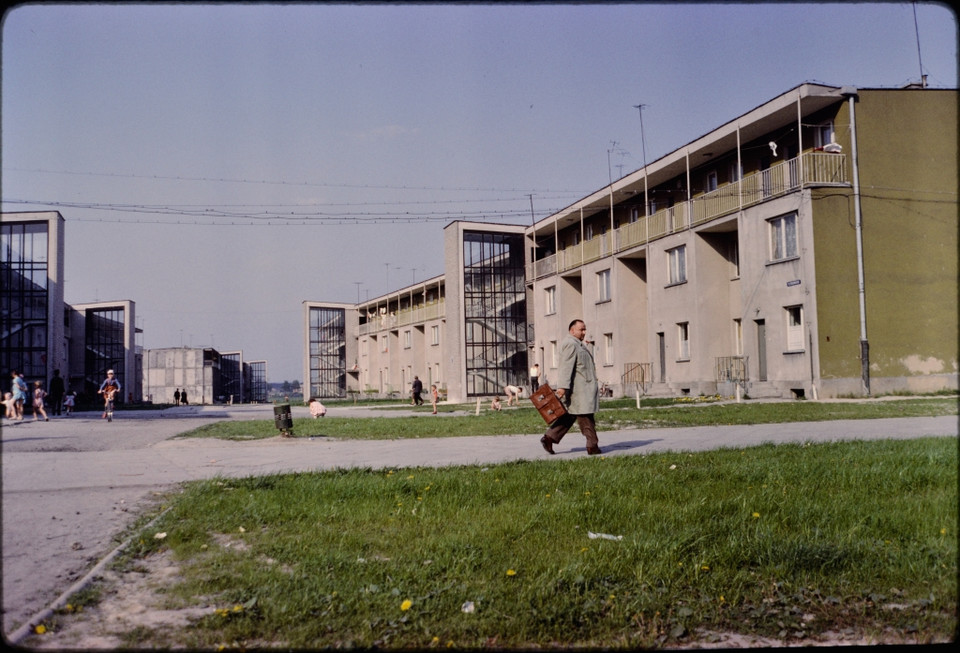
x=608 y=349
x=783 y=238
x=677 y=265
x=553 y=354
x=793 y=318
x=407 y=339
x=550 y=300
x=603 y=286
x=435 y=335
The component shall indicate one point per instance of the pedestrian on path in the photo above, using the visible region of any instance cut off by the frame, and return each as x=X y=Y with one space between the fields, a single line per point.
x=577 y=388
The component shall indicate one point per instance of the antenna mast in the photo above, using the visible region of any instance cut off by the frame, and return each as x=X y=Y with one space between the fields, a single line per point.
x=916 y=27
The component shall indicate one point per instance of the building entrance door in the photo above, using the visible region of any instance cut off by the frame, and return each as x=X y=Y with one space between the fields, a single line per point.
x=662 y=344
x=761 y=350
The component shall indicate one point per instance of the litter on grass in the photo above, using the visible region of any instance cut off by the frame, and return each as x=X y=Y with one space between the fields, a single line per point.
x=604 y=536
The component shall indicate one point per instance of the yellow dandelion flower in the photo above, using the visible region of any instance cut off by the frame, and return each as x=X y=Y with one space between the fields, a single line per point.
x=582 y=550
x=237 y=608
x=705 y=568
x=943 y=531
x=450 y=644
x=511 y=572
x=435 y=640
x=410 y=477
x=40 y=629
x=756 y=515
x=406 y=605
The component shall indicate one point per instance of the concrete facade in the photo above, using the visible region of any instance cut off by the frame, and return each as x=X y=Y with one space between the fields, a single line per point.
x=806 y=248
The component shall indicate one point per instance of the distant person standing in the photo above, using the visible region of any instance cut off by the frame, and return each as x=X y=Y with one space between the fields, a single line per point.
x=56 y=393
x=176 y=397
x=434 y=397
x=577 y=388
x=417 y=392
x=534 y=377
x=68 y=403
x=183 y=397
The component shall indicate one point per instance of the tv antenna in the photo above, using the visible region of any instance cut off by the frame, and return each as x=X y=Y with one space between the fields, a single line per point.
x=916 y=28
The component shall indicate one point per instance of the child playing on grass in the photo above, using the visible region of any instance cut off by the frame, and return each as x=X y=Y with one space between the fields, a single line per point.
x=434 y=397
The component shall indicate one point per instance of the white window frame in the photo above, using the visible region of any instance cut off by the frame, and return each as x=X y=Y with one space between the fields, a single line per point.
x=738 y=337
x=794 y=327
x=683 y=341
x=783 y=237
x=603 y=286
x=553 y=354
x=550 y=295
x=407 y=339
x=735 y=171
x=823 y=134
x=608 y=349
x=435 y=335
x=711 y=181
x=383 y=343
x=677 y=265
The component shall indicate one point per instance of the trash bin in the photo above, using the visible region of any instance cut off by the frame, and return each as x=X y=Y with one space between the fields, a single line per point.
x=282 y=418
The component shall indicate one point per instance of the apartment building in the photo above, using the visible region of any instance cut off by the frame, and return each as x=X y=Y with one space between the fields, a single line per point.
x=467 y=331
x=806 y=248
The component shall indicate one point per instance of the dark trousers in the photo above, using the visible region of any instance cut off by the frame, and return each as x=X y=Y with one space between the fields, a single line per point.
x=587 y=426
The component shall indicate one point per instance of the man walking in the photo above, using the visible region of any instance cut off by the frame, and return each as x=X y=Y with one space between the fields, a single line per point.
x=417 y=399
x=577 y=388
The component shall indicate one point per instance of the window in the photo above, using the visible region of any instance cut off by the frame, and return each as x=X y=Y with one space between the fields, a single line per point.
x=634 y=213
x=783 y=237
x=553 y=353
x=711 y=180
x=734 y=172
x=406 y=339
x=435 y=335
x=608 y=349
x=603 y=286
x=794 y=316
x=550 y=295
x=677 y=259
x=383 y=343
x=364 y=346
x=588 y=232
x=823 y=134
x=683 y=340
x=738 y=337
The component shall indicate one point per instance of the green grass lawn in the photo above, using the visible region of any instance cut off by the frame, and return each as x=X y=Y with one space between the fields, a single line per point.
x=786 y=541
x=616 y=414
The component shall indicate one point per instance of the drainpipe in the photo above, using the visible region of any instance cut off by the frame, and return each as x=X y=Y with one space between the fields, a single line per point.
x=851 y=94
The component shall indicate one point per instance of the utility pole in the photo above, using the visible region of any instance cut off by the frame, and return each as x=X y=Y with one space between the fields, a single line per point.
x=533 y=219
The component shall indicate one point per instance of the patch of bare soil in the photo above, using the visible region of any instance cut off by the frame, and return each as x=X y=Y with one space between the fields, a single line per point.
x=129 y=603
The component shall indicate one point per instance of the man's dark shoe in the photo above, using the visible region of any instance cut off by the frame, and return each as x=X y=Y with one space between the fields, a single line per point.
x=594 y=451
x=547 y=444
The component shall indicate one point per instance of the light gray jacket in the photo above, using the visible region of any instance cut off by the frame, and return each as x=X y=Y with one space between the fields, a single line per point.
x=577 y=375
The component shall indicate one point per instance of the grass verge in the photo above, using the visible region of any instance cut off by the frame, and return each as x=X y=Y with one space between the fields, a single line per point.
x=616 y=414
x=786 y=541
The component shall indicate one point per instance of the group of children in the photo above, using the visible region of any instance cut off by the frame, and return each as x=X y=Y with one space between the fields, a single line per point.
x=13 y=407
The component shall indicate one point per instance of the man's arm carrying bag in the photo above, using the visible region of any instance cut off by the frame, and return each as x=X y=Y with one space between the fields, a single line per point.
x=548 y=404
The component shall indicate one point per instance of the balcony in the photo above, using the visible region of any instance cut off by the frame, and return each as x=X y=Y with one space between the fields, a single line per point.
x=416 y=315
x=810 y=169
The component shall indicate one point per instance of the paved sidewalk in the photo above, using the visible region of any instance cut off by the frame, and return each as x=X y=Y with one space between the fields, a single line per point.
x=71 y=485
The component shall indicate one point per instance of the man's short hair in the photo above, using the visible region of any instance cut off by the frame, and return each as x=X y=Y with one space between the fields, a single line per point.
x=570 y=326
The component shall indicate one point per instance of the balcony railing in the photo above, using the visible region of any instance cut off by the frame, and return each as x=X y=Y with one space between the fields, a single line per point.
x=415 y=315
x=812 y=168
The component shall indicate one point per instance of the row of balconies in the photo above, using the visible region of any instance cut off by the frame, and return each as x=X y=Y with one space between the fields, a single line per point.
x=818 y=168
x=403 y=317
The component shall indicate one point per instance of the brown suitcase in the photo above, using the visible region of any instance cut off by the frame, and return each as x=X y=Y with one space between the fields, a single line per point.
x=546 y=401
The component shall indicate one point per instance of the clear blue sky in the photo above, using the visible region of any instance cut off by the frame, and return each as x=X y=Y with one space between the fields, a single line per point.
x=219 y=164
